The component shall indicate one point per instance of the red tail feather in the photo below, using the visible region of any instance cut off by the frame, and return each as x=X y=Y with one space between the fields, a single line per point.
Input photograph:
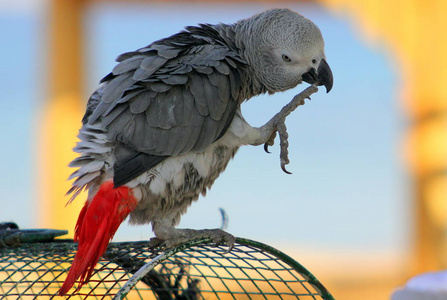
x=96 y=226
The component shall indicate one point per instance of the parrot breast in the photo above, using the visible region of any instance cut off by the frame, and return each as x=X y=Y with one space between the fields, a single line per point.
x=167 y=190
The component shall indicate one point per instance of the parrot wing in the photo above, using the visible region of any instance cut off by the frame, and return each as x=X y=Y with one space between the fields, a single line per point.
x=177 y=95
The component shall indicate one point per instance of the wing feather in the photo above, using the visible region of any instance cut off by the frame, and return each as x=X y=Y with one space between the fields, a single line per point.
x=198 y=91
x=127 y=65
x=174 y=96
x=141 y=101
x=152 y=63
x=206 y=134
x=223 y=89
x=223 y=68
x=110 y=117
x=116 y=87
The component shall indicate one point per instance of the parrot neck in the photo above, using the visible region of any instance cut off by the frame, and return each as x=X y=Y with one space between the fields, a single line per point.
x=238 y=38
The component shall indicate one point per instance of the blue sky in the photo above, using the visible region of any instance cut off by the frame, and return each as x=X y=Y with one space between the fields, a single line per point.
x=348 y=189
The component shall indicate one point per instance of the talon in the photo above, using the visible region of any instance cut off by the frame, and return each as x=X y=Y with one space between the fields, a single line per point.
x=230 y=245
x=156 y=242
x=283 y=167
x=266 y=148
x=308 y=97
x=270 y=142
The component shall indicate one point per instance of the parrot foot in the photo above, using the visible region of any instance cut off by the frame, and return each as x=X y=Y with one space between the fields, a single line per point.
x=277 y=125
x=172 y=237
x=281 y=129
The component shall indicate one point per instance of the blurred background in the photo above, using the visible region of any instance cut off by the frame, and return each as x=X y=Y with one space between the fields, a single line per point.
x=366 y=206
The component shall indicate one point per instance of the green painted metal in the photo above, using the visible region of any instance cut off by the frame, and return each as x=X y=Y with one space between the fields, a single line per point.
x=308 y=276
x=194 y=270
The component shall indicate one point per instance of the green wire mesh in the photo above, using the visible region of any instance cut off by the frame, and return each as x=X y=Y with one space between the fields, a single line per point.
x=132 y=270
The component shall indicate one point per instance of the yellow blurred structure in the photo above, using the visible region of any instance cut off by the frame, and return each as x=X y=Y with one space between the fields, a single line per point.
x=62 y=115
x=415 y=31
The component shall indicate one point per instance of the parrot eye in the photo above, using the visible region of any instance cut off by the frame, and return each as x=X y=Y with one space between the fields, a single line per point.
x=286 y=58
x=314 y=61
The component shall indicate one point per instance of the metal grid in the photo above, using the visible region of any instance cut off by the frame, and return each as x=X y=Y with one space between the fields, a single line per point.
x=196 y=270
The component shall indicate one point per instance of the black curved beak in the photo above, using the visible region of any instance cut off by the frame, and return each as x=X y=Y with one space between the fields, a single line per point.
x=322 y=76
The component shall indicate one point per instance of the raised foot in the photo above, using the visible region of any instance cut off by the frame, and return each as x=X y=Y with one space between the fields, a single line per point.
x=172 y=237
x=277 y=125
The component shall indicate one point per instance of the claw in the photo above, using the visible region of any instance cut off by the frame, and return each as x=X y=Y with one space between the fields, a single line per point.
x=308 y=97
x=156 y=242
x=266 y=148
x=283 y=167
x=270 y=142
x=230 y=246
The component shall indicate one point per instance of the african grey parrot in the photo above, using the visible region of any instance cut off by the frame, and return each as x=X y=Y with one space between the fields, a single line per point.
x=166 y=121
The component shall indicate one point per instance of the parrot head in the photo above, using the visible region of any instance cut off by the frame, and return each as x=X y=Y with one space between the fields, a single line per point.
x=287 y=49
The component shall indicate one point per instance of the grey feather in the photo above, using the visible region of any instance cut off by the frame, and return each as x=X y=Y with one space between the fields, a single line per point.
x=79 y=161
x=182 y=69
x=127 y=65
x=138 y=129
x=175 y=79
x=197 y=90
x=93 y=102
x=124 y=99
x=141 y=102
x=126 y=55
x=223 y=68
x=116 y=129
x=75 y=190
x=216 y=107
x=204 y=69
x=166 y=116
x=98 y=111
x=130 y=94
x=83 y=180
x=175 y=146
x=214 y=78
x=152 y=63
x=185 y=109
x=219 y=53
x=154 y=114
x=146 y=49
x=104 y=108
x=231 y=62
x=141 y=74
x=166 y=51
x=116 y=87
x=159 y=87
x=223 y=89
x=112 y=115
x=93 y=166
x=194 y=134
x=234 y=85
x=88 y=145
x=206 y=136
